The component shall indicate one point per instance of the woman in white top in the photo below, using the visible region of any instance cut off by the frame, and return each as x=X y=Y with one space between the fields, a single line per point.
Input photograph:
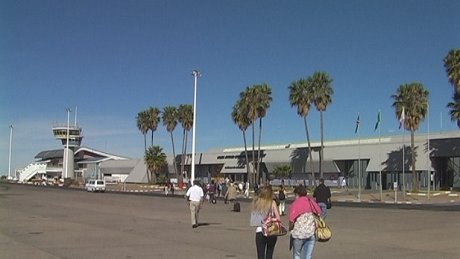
x=262 y=205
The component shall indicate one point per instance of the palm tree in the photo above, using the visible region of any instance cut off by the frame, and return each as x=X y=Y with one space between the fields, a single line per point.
x=154 y=120
x=264 y=99
x=454 y=107
x=258 y=99
x=301 y=96
x=282 y=171
x=155 y=160
x=452 y=66
x=413 y=100
x=240 y=118
x=248 y=97
x=185 y=117
x=169 y=118
x=322 y=97
x=142 y=120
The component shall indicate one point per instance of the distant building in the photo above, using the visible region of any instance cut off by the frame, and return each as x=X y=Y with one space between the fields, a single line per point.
x=358 y=161
x=437 y=161
x=50 y=164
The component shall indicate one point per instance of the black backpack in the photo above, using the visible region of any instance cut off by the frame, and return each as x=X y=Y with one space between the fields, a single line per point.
x=281 y=195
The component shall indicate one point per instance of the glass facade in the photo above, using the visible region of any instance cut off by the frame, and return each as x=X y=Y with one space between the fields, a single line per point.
x=453 y=169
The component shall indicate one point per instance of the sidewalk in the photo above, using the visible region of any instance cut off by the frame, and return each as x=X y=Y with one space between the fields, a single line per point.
x=338 y=195
x=389 y=196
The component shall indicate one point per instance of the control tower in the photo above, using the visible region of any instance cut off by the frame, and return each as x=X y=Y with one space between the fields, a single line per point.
x=75 y=137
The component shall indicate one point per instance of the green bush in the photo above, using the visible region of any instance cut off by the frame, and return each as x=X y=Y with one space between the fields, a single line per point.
x=162 y=179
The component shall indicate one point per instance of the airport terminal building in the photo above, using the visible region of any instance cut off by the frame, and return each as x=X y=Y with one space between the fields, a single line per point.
x=360 y=161
x=365 y=160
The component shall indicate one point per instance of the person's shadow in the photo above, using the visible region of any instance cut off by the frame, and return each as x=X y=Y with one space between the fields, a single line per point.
x=207 y=224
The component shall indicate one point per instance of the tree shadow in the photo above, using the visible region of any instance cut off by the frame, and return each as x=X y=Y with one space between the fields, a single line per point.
x=395 y=162
x=300 y=163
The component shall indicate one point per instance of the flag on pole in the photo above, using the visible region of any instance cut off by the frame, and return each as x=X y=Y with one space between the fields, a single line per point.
x=377 y=124
x=357 y=124
x=402 y=118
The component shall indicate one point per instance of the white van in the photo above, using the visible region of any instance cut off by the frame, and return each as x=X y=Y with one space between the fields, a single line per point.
x=95 y=185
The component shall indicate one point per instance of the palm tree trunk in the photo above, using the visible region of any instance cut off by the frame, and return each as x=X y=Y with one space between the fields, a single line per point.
x=145 y=151
x=182 y=164
x=414 y=174
x=322 y=147
x=247 y=159
x=174 y=155
x=154 y=177
x=254 y=155
x=259 y=157
x=185 y=150
x=312 y=181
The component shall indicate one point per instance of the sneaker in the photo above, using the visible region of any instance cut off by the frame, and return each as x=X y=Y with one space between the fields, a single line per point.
x=194 y=226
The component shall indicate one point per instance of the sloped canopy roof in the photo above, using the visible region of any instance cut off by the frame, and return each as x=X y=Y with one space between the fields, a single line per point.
x=90 y=155
x=49 y=154
x=134 y=168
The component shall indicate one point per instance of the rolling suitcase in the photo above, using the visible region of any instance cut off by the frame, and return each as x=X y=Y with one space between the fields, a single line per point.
x=236 y=207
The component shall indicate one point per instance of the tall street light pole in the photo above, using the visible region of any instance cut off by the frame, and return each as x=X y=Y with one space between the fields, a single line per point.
x=67 y=144
x=9 y=155
x=195 y=74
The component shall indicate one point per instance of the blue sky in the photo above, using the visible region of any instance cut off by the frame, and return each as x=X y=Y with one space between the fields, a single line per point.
x=112 y=59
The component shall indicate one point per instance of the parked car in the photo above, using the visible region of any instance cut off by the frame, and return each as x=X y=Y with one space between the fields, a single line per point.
x=95 y=185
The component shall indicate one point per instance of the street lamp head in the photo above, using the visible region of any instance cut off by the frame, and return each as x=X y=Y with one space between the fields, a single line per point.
x=196 y=73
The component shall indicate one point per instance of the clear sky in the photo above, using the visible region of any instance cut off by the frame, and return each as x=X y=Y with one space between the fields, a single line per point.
x=113 y=59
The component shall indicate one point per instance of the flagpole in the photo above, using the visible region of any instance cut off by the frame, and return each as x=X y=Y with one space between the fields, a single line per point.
x=359 y=160
x=380 y=157
x=428 y=151
x=9 y=154
x=403 y=115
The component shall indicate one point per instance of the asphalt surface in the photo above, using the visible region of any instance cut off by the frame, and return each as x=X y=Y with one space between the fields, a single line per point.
x=42 y=222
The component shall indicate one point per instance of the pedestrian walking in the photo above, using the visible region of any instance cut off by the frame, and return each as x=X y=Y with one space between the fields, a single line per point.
x=172 y=187
x=246 y=189
x=302 y=223
x=282 y=199
x=256 y=189
x=322 y=195
x=231 y=193
x=212 y=192
x=219 y=189
x=262 y=205
x=166 y=189
x=224 y=188
x=195 y=196
x=344 y=184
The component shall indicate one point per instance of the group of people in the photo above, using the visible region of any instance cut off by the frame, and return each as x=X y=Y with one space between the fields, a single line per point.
x=301 y=218
x=227 y=189
x=301 y=215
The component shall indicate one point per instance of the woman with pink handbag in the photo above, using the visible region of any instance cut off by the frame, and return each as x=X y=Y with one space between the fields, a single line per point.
x=302 y=223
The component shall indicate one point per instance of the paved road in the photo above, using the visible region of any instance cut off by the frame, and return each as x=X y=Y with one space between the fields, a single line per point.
x=38 y=222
